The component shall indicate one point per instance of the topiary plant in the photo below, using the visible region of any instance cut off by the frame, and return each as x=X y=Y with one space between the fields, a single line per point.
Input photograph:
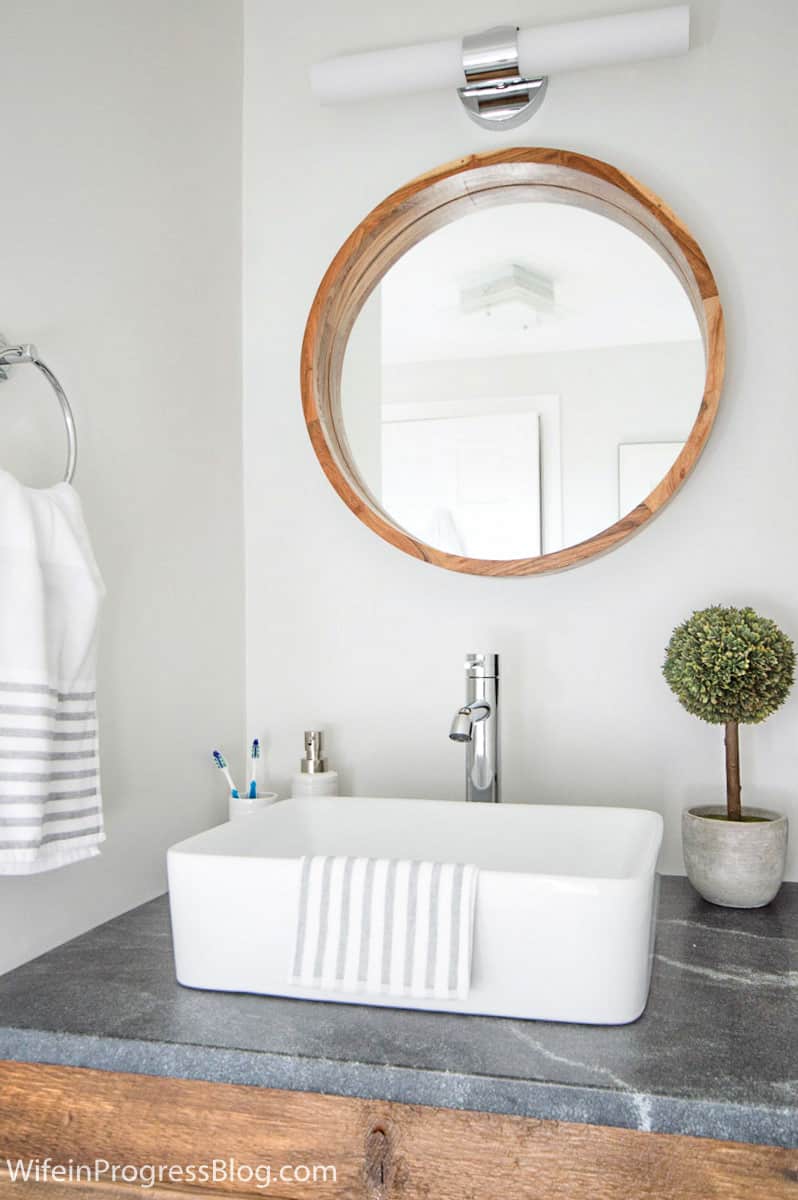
x=726 y=666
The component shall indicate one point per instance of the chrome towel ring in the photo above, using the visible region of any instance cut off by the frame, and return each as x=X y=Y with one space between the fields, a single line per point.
x=10 y=356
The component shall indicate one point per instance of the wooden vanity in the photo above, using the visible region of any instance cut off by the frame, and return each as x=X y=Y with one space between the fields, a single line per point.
x=377 y=1149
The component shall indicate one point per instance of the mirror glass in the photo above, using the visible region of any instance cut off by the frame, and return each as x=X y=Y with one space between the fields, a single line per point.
x=521 y=379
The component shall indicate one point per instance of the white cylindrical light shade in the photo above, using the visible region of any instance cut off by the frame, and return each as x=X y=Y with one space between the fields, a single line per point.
x=389 y=72
x=549 y=49
x=604 y=41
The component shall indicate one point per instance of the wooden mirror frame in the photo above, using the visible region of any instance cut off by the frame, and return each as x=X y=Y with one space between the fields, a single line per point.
x=433 y=200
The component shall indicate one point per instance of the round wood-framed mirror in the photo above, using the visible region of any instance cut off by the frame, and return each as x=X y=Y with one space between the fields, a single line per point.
x=461 y=375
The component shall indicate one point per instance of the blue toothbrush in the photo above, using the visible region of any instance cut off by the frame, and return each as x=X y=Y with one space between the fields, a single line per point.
x=221 y=763
x=255 y=754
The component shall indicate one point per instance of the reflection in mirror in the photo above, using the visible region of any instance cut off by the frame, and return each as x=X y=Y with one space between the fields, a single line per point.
x=520 y=379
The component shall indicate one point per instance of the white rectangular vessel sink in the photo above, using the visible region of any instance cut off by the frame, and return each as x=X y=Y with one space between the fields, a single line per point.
x=565 y=910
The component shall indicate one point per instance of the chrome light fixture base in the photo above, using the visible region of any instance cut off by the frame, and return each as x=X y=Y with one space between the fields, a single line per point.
x=496 y=95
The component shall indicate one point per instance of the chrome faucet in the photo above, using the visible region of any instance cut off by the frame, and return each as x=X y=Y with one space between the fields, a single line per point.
x=477 y=724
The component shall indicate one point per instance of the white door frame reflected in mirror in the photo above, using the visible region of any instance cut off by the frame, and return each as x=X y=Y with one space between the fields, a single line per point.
x=545 y=407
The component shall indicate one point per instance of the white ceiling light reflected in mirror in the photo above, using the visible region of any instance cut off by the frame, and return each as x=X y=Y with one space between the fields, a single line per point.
x=611 y=288
x=512 y=295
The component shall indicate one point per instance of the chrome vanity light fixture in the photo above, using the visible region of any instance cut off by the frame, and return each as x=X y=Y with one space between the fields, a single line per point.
x=496 y=95
x=506 y=69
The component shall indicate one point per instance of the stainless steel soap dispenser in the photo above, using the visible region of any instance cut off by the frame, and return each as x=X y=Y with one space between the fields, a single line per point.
x=313 y=778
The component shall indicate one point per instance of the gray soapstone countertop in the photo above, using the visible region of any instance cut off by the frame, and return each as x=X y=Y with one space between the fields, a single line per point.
x=715 y=1054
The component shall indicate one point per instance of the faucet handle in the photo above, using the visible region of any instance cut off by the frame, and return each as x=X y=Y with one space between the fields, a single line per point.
x=482 y=666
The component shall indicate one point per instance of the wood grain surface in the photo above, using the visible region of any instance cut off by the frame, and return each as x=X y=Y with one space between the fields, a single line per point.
x=378 y=1149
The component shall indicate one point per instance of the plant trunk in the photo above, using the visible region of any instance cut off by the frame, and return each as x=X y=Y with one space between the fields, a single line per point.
x=733 y=805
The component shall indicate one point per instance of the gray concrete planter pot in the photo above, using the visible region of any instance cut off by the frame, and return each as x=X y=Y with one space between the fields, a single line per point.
x=739 y=864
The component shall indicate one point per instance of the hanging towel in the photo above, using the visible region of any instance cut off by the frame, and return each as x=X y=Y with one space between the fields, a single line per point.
x=381 y=926
x=50 y=596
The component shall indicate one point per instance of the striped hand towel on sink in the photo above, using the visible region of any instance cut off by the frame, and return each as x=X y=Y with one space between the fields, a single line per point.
x=385 y=927
x=50 y=595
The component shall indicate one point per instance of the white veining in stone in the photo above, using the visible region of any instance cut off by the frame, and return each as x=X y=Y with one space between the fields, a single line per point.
x=745 y=975
x=723 y=932
x=641 y=1102
x=643 y=1105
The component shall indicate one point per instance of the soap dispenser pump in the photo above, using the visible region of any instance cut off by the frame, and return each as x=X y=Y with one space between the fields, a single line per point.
x=313 y=778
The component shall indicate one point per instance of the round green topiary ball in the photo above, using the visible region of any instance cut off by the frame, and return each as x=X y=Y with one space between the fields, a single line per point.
x=729 y=664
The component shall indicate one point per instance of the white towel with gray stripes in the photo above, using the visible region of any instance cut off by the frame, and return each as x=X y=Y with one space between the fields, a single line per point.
x=385 y=927
x=50 y=597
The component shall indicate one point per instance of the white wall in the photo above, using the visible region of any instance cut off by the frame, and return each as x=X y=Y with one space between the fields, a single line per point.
x=120 y=219
x=346 y=632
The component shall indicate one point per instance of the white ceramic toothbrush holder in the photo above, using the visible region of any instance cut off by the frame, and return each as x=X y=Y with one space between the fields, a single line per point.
x=245 y=806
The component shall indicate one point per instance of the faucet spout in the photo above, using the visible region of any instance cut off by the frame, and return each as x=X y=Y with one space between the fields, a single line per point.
x=465 y=718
